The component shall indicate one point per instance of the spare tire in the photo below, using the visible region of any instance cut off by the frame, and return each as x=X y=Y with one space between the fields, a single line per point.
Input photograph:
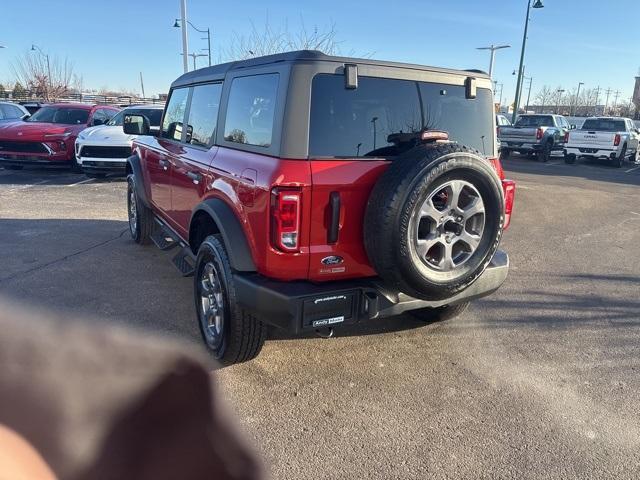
x=434 y=220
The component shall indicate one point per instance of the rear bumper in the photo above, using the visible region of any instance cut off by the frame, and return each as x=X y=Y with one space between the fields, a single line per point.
x=303 y=306
x=591 y=152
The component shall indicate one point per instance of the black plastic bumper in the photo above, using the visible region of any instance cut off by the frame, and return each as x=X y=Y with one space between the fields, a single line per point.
x=34 y=161
x=96 y=166
x=302 y=306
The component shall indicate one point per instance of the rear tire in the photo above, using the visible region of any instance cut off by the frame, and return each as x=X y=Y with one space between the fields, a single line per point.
x=570 y=159
x=440 y=314
x=504 y=153
x=545 y=154
x=141 y=221
x=231 y=334
x=618 y=161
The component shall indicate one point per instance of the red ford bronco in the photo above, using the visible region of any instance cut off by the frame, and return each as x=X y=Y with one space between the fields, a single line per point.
x=308 y=192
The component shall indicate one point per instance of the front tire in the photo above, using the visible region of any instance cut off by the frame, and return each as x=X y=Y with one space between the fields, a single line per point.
x=570 y=159
x=231 y=333
x=140 y=217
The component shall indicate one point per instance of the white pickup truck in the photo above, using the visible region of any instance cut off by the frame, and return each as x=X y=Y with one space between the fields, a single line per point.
x=612 y=138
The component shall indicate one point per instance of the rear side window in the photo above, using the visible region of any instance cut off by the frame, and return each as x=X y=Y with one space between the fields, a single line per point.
x=174 y=115
x=250 y=110
x=203 y=114
x=372 y=119
x=468 y=121
x=9 y=111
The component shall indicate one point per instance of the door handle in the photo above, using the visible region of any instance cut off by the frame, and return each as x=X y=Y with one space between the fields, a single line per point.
x=164 y=163
x=195 y=177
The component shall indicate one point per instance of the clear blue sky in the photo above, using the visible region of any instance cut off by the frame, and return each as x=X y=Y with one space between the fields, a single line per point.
x=111 y=41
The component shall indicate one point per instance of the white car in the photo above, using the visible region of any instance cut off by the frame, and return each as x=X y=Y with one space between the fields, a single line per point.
x=104 y=149
x=612 y=138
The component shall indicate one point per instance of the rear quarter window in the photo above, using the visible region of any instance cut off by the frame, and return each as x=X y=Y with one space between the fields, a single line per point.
x=251 y=110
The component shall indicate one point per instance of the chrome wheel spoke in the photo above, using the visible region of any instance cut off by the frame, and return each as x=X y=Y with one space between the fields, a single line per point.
x=429 y=211
x=471 y=240
x=447 y=263
x=455 y=188
x=476 y=207
x=212 y=301
x=423 y=246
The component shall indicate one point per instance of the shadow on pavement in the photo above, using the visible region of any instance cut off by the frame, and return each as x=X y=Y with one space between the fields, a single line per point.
x=33 y=176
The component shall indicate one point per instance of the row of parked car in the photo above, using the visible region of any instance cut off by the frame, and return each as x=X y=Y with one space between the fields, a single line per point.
x=87 y=138
x=612 y=138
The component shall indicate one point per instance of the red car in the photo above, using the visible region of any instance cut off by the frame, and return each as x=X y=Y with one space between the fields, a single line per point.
x=49 y=135
x=309 y=192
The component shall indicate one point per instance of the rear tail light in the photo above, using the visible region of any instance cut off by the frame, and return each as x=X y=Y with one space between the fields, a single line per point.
x=498 y=131
x=539 y=134
x=616 y=140
x=497 y=166
x=509 y=187
x=285 y=219
x=566 y=137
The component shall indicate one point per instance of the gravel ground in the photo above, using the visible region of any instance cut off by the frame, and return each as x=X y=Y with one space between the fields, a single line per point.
x=540 y=380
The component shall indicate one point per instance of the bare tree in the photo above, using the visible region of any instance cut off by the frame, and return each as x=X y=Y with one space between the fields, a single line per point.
x=544 y=97
x=48 y=77
x=268 y=40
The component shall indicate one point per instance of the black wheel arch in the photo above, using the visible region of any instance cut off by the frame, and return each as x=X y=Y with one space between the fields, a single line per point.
x=214 y=216
x=134 y=168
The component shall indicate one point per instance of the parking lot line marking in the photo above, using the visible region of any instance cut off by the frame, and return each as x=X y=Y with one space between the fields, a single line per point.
x=24 y=187
x=636 y=213
x=88 y=180
x=552 y=164
x=632 y=169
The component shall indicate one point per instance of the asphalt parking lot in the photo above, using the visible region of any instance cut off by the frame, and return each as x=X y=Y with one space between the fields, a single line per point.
x=540 y=380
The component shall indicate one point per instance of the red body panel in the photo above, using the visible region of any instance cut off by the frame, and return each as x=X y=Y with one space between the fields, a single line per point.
x=59 y=138
x=353 y=180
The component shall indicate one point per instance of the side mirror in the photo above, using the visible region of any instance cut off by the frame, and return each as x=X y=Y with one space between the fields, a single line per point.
x=97 y=121
x=136 y=125
x=573 y=127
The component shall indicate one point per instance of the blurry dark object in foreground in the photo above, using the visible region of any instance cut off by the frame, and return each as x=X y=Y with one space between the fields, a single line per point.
x=98 y=402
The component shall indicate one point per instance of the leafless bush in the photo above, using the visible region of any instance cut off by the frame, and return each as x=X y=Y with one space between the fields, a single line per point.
x=268 y=40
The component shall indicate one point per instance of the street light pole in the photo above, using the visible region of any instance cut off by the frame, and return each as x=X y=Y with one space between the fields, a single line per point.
x=529 y=94
x=35 y=48
x=560 y=92
x=537 y=4
x=207 y=31
x=185 y=41
x=493 y=49
x=575 y=103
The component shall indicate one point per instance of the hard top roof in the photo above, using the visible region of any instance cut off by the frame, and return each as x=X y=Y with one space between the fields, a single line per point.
x=217 y=72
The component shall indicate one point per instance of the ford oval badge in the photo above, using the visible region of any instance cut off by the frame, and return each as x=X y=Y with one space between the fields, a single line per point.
x=332 y=260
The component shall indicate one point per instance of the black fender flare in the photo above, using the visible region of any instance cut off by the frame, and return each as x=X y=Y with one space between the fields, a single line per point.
x=232 y=233
x=136 y=170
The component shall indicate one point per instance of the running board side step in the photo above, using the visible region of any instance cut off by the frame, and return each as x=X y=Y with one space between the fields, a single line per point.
x=166 y=239
x=185 y=262
x=162 y=240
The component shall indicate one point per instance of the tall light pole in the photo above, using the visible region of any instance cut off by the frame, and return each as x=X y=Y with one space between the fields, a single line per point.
x=493 y=49
x=207 y=31
x=529 y=94
x=537 y=4
x=560 y=91
x=575 y=104
x=185 y=41
x=35 y=48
